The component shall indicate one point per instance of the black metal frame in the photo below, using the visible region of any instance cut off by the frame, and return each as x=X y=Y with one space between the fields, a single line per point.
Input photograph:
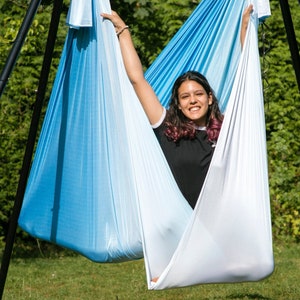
x=13 y=223
x=291 y=37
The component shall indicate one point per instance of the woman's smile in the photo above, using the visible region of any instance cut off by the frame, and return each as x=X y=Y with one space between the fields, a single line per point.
x=194 y=101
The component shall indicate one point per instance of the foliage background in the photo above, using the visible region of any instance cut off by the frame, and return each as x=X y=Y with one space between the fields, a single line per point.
x=152 y=24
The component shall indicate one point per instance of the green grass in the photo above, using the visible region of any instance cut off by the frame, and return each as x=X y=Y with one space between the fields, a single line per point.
x=75 y=277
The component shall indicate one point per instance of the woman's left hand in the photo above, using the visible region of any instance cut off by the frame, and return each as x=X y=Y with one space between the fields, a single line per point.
x=245 y=21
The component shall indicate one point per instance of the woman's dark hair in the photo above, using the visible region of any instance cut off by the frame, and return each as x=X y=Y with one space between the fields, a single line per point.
x=178 y=126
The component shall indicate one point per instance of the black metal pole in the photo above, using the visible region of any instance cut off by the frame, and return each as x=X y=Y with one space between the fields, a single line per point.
x=57 y=8
x=288 y=22
x=18 y=43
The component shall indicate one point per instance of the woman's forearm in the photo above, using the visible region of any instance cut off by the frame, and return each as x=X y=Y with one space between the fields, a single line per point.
x=245 y=21
x=131 y=59
x=134 y=70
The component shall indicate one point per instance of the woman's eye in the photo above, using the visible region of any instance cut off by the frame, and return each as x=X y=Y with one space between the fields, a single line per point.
x=184 y=96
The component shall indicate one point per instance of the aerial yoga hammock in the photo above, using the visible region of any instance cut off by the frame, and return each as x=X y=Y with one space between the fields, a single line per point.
x=99 y=183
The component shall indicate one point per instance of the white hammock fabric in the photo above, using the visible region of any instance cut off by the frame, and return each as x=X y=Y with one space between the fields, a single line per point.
x=101 y=186
x=228 y=238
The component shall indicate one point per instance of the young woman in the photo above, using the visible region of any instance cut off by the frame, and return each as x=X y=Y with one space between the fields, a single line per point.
x=189 y=129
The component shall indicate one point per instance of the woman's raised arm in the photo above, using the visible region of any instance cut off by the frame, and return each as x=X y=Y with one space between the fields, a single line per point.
x=245 y=21
x=134 y=69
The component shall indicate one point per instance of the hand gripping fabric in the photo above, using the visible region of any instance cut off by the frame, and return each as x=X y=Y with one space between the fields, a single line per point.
x=100 y=184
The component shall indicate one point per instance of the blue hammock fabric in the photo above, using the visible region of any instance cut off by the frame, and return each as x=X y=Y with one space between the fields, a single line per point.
x=100 y=184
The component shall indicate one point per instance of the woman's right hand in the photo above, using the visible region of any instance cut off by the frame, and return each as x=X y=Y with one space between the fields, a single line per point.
x=118 y=23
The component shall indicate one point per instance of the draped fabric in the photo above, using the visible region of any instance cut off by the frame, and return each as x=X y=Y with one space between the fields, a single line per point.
x=80 y=14
x=228 y=238
x=100 y=184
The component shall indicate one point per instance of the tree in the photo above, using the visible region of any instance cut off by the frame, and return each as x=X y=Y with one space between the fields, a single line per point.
x=283 y=124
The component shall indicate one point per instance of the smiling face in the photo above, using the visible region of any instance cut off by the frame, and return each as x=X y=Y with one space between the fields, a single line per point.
x=194 y=101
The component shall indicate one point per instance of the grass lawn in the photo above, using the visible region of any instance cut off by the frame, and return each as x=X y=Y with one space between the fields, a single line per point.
x=75 y=277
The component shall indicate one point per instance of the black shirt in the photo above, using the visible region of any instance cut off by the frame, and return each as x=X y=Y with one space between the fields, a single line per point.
x=189 y=161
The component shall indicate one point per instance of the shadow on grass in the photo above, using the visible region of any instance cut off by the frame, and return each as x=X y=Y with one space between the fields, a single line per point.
x=35 y=248
x=247 y=296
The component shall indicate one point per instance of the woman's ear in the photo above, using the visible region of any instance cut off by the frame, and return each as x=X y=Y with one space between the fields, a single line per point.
x=210 y=99
x=178 y=104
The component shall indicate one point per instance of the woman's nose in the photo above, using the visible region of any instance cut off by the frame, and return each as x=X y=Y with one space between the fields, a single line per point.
x=193 y=99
